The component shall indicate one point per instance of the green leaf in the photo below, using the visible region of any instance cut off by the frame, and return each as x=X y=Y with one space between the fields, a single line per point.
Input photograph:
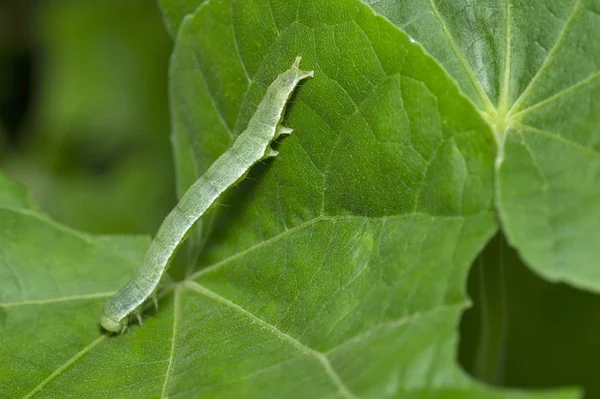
x=335 y=270
x=53 y=281
x=13 y=195
x=533 y=70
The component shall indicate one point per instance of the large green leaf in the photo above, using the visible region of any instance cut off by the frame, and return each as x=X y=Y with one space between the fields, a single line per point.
x=533 y=70
x=335 y=270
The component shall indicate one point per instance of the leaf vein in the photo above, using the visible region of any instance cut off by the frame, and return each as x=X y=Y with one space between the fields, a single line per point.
x=321 y=358
x=176 y=310
x=547 y=60
x=88 y=239
x=32 y=302
x=396 y=323
x=210 y=94
x=507 y=58
x=237 y=50
x=582 y=83
x=314 y=221
x=66 y=365
x=461 y=58
x=556 y=137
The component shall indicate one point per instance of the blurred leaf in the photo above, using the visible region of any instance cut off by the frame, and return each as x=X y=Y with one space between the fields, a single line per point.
x=3 y=140
x=104 y=71
x=14 y=195
x=175 y=10
x=99 y=157
x=528 y=332
x=533 y=69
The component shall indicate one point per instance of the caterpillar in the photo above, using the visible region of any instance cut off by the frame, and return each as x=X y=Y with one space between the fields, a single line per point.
x=251 y=146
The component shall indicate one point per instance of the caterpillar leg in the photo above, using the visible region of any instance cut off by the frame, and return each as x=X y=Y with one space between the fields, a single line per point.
x=270 y=153
x=154 y=300
x=282 y=131
x=138 y=317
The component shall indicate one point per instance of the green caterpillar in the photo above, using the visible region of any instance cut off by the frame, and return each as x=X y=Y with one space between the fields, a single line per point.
x=251 y=146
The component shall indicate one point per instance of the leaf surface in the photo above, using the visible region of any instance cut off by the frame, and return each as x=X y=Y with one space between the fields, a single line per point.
x=53 y=281
x=533 y=70
x=336 y=270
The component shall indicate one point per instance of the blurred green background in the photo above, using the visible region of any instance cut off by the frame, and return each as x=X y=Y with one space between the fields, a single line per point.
x=84 y=110
x=84 y=124
x=524 y=331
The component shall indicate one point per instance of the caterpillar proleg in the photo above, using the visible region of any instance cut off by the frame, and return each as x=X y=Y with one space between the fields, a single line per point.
x=251 y=146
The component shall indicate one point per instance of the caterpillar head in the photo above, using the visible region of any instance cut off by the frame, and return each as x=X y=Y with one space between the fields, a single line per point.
x=113 y=326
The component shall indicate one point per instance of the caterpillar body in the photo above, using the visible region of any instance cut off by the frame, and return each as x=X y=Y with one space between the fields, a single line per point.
x=251 y=146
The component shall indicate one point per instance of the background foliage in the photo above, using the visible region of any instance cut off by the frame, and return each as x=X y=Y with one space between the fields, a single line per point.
x=85 y=104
